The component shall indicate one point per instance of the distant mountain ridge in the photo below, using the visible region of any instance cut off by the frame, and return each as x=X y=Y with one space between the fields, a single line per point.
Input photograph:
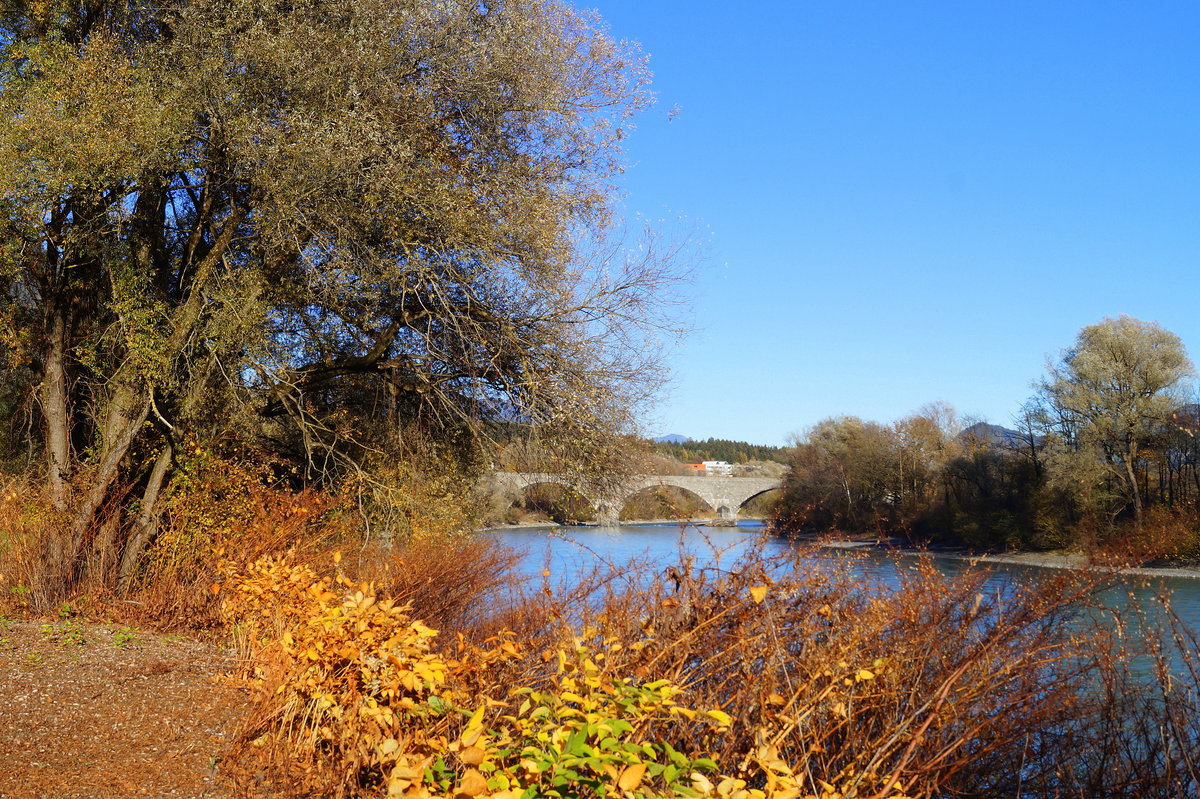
x=994 y=434
x=671 y=438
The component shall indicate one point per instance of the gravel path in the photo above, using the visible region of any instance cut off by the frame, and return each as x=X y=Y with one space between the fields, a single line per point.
x=102 y=711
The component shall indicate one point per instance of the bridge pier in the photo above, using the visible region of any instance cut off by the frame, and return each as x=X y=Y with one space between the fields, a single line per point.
x=608 y=514
x=726 y=513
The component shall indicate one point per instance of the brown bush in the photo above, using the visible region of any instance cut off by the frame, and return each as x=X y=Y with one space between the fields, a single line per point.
x=1166 y=536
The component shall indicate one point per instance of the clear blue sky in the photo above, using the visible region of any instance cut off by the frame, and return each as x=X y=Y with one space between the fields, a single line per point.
x=913 y=201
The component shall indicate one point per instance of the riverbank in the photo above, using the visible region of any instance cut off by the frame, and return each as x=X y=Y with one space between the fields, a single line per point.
x=101 y=709
x=1041 y=560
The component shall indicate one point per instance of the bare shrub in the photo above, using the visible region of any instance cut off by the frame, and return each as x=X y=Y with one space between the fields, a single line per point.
x=218 y=503
x=1166 y=536
x=454 y=583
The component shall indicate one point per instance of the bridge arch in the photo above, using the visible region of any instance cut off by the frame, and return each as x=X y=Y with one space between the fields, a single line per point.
x=698 y=507
x=747 y=500
x=570 y=505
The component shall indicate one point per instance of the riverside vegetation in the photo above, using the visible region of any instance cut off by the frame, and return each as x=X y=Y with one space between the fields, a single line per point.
x=1105 y=458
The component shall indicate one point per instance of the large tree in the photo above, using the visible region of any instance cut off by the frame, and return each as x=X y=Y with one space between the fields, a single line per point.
x=271 y=216
x=1112 y=393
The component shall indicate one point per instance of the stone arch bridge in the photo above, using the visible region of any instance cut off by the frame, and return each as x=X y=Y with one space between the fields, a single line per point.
x=726 y=495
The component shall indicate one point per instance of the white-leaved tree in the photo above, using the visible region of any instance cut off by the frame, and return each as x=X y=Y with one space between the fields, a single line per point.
x=1107 y=396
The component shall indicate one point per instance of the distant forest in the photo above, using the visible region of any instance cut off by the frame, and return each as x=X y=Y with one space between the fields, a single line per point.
x=720 y=449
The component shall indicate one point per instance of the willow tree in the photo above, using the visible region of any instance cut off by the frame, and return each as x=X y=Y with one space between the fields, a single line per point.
x=258 y=216
x=1108 y=396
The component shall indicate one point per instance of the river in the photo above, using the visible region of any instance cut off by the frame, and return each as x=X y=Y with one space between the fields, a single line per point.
x=568 y=551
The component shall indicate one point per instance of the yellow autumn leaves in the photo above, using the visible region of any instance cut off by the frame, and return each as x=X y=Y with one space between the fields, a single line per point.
x=353 y=685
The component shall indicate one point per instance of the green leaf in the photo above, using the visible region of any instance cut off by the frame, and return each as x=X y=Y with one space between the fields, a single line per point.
x=676 y=757
x=576 y=744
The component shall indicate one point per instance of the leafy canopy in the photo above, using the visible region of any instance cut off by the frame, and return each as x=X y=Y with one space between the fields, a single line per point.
x=311 y=226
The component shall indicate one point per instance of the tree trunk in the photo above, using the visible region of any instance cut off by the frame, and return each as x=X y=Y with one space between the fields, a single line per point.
x=146 y=525
x=128 y=410
x=56 y=414
x=1131 y=478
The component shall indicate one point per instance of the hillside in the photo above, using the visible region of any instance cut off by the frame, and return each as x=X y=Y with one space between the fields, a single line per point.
x=719 y=449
